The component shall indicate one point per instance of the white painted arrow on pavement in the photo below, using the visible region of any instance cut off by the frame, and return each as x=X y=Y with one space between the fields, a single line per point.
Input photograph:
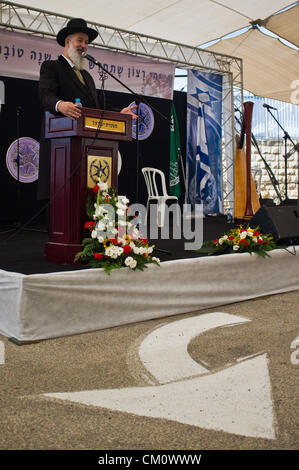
x=236 y=399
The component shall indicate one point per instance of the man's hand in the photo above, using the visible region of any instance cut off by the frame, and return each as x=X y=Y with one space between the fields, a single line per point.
x=69 y=109
x=129 y=110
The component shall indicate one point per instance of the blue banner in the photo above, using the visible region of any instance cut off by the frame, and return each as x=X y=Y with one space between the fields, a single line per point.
x=203 y=164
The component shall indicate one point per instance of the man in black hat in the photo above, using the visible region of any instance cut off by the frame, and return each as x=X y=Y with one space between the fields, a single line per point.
x=61 y=82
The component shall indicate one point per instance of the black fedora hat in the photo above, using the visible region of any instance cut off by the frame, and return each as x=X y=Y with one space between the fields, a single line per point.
x=76 y=25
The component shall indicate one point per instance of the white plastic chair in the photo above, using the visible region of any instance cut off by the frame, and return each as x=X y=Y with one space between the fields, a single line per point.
x=153 y=177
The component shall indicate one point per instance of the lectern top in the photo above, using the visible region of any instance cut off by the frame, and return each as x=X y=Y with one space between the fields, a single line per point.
x=92 y=123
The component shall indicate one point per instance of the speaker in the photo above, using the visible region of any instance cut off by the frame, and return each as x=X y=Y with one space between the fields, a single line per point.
x=281 y=221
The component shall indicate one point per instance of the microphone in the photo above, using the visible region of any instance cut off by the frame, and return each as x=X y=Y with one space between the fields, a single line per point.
x=269 y=107
x=89 y=57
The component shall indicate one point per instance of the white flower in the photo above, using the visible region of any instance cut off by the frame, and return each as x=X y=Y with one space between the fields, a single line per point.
x=103 y=186
x=100 y=239
x=119 y=250
x=220 y=241
x=254 y=239
x=100 y=226
x=250 y=234
x=94 y=234
x=150 y=249
x=243 y=235
x=122 y=200
x=120 y=212
x=113 y=251
x=157 y=260
x=130 y=262
x=100 y=210
x=236 y=247
x=133 y=264
x=225 y=237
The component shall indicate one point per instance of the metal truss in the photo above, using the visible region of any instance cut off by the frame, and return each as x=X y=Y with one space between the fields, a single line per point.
x=16 y=17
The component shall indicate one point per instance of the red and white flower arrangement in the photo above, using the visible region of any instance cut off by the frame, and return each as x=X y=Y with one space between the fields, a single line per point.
x=115 y=240
x=240 y=240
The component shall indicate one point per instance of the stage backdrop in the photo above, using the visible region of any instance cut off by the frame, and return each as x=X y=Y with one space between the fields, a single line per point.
x=20 y=199
x=203 y=159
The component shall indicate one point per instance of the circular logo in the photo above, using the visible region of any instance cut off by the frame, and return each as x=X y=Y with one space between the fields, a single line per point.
x=145 y=121
x=99 y=169
x=22 y=159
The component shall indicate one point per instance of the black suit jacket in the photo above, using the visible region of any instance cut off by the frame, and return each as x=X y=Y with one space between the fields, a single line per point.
x=58 y=81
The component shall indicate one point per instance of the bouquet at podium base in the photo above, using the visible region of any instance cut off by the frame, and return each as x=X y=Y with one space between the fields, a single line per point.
x=115 y=240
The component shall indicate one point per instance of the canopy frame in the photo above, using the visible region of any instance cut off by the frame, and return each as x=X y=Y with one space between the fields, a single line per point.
x=20 y=18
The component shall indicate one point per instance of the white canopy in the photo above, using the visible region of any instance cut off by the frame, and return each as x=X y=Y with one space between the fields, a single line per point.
x=285 y=25
x=192 y=22
x=269 y=67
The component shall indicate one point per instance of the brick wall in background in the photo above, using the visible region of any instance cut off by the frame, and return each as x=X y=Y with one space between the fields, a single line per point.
x=273 y=152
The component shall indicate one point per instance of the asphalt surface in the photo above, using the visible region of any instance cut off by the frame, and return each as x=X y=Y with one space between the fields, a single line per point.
x=109 y=359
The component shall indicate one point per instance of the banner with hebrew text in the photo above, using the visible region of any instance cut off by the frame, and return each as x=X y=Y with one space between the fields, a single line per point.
x=22 y=54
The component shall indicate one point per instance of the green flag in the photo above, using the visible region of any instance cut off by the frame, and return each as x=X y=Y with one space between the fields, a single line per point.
x=175 y=155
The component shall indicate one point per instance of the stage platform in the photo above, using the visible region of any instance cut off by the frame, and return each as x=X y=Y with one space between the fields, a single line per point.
x=41 y=300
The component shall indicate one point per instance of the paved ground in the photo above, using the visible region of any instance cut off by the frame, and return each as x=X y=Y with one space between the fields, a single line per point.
x=188 y=382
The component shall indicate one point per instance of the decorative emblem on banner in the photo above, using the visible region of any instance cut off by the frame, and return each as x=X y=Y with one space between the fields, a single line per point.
x=145 y=120
x=98 y=167
x=28 y=150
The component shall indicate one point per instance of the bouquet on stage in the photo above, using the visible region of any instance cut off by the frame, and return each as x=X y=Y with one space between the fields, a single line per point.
x=114 y=240
x=240 y=240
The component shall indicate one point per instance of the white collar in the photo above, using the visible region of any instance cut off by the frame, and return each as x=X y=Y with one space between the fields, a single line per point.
x=69 y=61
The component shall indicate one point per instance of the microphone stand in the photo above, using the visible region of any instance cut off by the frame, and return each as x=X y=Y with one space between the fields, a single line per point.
x=286 y=136
x=18 y=112
x=138 y=99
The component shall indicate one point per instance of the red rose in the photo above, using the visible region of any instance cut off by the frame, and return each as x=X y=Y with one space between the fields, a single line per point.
x=113 y=240
x=127 y=250
x=231 y=237
x=98 y=256
x=216 y=241
x=256 y=234
x=95 y=189
x=260 y=241
x=243 y=230
x=107 y=197
x=245 y=242
x=267 y=242
x=89 y=225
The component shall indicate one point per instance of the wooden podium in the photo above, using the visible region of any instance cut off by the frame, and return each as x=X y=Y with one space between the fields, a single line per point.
x=81 y=149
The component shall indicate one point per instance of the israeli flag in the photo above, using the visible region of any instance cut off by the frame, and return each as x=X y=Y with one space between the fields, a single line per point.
x=204 y=141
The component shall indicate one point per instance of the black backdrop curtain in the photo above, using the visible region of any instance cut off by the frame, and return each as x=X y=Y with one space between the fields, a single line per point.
x=154 y=151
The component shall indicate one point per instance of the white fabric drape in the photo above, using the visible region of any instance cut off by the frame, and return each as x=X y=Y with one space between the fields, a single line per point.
x=43 y=306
